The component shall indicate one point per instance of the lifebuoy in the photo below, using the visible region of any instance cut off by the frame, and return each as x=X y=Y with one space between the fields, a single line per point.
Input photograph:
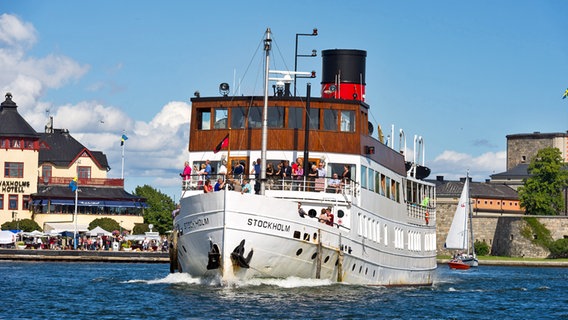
x=427 y=217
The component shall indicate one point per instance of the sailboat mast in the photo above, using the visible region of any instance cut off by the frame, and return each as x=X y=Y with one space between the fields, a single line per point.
x=267 y=45
x=470 y=214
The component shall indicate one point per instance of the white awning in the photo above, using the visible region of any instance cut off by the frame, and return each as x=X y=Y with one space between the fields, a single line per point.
x=53 y=227
x=7 y=237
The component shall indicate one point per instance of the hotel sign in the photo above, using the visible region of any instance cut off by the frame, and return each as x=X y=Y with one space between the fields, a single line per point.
x=14 y=186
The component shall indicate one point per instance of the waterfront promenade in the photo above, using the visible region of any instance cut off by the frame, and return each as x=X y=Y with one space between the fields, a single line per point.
x=84 y=255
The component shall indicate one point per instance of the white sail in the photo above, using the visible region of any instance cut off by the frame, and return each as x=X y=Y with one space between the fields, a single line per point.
x=458 y=234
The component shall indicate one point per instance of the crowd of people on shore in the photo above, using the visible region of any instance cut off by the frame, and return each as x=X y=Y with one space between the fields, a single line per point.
x=97 y=243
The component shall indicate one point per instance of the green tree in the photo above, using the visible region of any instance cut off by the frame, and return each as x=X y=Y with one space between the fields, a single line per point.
x=26 y=225
x=106 y=223
x=160 y=207
x=542 y=192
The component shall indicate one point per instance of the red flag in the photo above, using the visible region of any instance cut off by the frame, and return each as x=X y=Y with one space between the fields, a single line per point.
x=222 y=144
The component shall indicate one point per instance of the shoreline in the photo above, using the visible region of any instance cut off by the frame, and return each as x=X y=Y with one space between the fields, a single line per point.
x=84 y=256
x=163 y=257
x=516 y=263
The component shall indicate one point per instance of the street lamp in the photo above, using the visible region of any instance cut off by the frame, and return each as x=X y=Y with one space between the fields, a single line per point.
x=314 y=53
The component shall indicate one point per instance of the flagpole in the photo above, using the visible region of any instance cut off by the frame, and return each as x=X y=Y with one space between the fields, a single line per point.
x=229 y=155
x=75 y=218
x=122 y=169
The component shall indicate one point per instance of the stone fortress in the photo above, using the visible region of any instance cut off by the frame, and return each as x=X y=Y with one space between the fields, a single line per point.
x=497 y=216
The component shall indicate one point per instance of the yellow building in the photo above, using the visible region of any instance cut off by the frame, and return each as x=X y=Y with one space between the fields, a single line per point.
x=38 y=169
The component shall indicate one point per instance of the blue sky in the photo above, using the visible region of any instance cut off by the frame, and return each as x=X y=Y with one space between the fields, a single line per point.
x=462 y=75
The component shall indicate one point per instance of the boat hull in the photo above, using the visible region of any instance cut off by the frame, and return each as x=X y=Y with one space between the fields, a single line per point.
x=463 y=263
x=231 y=236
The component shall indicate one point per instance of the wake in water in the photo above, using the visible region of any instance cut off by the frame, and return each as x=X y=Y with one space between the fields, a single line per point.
x=186 y=279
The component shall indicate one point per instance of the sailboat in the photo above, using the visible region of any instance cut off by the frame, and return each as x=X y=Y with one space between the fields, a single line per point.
x=460 y=236
x=380 y=227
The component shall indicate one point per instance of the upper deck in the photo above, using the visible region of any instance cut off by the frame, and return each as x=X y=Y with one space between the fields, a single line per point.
x=336 y=126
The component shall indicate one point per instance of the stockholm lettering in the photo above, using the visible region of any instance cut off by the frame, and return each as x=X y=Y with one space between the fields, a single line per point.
x=195 y=223
x=268 y=225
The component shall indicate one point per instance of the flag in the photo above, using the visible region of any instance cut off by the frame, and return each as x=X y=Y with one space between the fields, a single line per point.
x=122 y=139
x=73 y=184
x=565 y=94
x=222 y=144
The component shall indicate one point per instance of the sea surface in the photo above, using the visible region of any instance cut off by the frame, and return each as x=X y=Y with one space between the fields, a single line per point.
x=71 y=290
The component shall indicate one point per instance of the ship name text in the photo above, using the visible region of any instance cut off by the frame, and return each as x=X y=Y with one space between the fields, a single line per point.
x=268 y=225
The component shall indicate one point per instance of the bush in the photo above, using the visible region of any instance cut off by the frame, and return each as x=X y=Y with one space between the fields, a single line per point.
x=559 y=248
x=481 y=248
x=26 y=225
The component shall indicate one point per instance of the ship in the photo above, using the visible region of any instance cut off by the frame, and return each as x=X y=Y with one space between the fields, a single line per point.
x=365 y=218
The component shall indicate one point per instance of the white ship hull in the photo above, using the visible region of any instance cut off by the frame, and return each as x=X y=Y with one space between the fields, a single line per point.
x=282 y=244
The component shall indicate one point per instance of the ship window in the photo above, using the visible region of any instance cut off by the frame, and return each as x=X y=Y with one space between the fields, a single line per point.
x=371 y=179
x=204 y=119
x=347 y=121
x=295 y=118
x=255 y=117
x=364 y=177
x=238 y=116
x=330 y=120
x=221 y=117
x=276 y=117
x=340 y=213
x=314 y=119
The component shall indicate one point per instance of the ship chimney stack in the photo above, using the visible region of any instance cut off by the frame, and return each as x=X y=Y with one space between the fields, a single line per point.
x=343 y=74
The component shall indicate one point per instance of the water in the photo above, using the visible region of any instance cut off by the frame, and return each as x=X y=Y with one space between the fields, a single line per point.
x=50 y=290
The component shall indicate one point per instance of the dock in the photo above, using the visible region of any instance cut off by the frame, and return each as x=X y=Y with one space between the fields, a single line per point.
x=84 y=256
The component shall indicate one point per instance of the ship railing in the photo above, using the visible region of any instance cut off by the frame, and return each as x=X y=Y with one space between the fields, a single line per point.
x=420 y=214
x=307 y=184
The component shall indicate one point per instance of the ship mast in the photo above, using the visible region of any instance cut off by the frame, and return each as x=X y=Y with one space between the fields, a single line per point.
x=267 y=45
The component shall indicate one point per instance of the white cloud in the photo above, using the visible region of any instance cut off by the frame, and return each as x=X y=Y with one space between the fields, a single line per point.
x=16 y=33
x=453 y=165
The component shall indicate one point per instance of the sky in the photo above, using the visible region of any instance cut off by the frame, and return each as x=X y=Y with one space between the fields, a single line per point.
x=462 y=75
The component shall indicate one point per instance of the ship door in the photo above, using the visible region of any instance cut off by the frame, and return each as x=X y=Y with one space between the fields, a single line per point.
x=234 y=171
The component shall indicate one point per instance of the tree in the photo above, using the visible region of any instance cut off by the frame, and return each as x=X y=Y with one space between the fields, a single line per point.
x=542 y=192
x=26 y=225
x=160 y=207
x=106 y=223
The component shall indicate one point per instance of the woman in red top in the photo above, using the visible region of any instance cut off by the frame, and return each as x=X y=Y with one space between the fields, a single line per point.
x=207 y=187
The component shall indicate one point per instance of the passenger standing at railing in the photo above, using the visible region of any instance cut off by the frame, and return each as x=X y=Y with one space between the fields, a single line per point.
x=256 y=171
x=223 y=170
x=207 y=169
x=186 y=175
x=269 y=175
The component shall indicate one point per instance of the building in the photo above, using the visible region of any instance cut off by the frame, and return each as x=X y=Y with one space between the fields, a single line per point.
x=38 y=170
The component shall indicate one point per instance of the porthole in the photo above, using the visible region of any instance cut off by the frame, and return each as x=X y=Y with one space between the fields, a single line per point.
x=306 y=237
x=299 y=252
x=366 y=270
x=315 y=236
x=374 y=273
x=360 y=269
x=352 y=269
x=326 y=259
x=340 y=213
x=312 y=213
x=314 y=255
